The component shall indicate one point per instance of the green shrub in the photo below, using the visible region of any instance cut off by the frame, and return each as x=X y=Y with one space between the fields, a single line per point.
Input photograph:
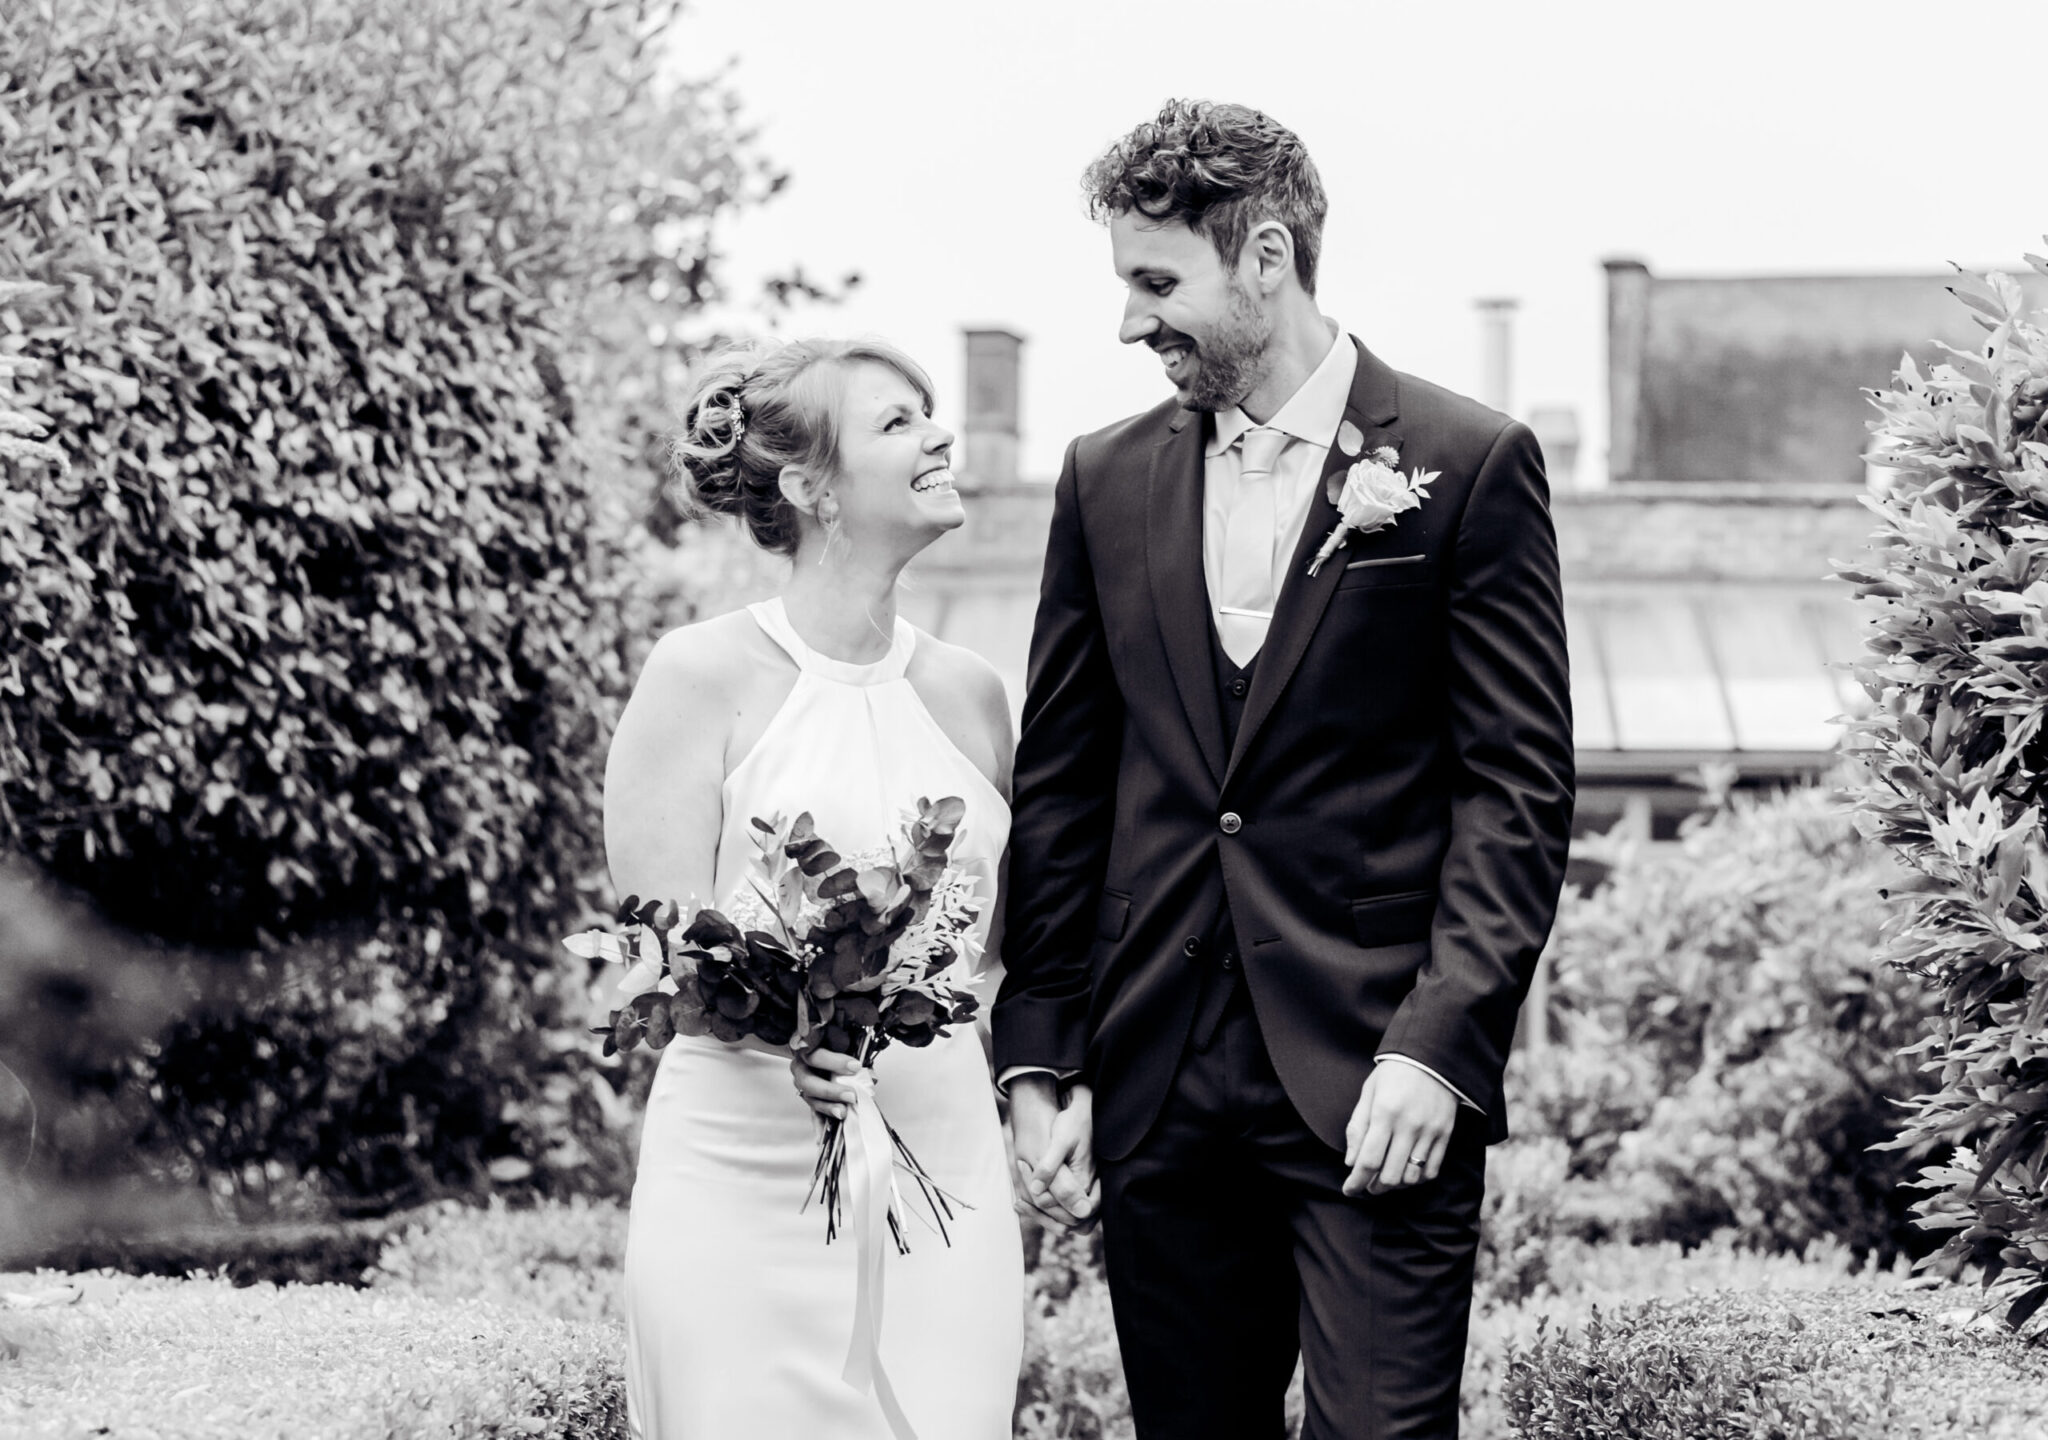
x=1954 y=754
x=200 y=1358
x=314 y=644
x=1729 y=1041
x=1846 y=1364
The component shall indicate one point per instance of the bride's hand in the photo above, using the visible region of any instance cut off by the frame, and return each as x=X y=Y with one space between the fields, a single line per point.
x=815 y=1081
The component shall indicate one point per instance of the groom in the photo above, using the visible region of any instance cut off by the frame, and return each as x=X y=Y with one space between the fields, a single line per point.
x=1286 y=845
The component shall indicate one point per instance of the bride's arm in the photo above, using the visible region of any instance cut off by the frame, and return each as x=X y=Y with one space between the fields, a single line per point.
x=663 y=803
x=992 y=957
x=662 y=807
x=994 y=704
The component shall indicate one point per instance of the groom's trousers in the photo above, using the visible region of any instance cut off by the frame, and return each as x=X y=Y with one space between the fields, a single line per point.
x=1231 y=1248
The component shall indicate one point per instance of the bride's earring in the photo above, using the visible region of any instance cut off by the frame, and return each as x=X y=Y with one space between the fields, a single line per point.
x=830 y=520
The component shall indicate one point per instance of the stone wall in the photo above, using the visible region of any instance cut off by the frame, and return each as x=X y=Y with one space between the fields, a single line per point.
x=1676 y=532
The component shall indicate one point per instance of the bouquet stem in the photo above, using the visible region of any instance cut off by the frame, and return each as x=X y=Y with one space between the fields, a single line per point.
x=827 y=1177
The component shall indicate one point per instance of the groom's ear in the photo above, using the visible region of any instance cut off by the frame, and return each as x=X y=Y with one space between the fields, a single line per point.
x=1267 y=260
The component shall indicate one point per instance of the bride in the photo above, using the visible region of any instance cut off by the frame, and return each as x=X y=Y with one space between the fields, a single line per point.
x=739 y=1315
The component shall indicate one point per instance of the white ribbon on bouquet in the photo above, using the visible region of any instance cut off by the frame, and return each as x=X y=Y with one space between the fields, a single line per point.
x=871 y=1174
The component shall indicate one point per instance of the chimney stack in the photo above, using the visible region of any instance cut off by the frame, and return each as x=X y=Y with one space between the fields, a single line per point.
x=1556 y=428
x=990 y=430
x=1628 y=328
x=1496 y=352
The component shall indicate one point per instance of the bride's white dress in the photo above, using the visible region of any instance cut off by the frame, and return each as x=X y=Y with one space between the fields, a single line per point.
x=738 y=1314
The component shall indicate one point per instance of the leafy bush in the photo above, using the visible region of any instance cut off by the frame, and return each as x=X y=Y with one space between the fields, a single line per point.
x=200 y=1358
x=23 y=430
x=1844 y=1364
x=1955 y=756
x=1071 y=1385
x=1729 y=1041
x=315 y=641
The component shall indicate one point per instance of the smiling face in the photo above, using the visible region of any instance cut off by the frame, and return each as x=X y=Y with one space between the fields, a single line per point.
x=892 y=486
x=1197 y=314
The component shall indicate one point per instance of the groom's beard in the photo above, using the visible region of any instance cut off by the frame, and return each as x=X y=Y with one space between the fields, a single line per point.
x=1231 y=359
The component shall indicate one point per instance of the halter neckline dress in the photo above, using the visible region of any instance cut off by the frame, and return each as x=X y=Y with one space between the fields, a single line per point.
x=738 y=1313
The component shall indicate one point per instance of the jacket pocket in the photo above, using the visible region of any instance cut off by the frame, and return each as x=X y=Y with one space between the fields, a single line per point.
x=1379 y=575
x=1111 y=915
x=1386 y=560
x=1393 y=919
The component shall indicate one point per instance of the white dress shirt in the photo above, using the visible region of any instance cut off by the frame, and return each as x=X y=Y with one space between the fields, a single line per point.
x=1310 y=417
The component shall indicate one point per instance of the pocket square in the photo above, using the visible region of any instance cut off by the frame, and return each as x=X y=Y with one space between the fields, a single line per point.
x=1387 y=560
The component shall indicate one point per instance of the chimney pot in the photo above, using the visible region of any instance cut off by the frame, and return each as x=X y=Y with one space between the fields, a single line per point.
x=1497 y=343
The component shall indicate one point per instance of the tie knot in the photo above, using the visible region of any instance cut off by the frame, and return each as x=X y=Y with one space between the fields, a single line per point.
x=1262 y=446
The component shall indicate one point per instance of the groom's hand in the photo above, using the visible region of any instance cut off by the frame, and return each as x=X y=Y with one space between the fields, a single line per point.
x=1066 y=1168
x=1042 y=1136
x=1399 y=1130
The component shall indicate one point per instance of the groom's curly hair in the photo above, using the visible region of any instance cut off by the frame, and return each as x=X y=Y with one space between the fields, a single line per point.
x=1219 y=169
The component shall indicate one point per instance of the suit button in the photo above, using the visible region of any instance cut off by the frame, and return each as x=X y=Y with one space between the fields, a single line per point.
x=1230 y=822
x=1229 y=961
x=1193 y=947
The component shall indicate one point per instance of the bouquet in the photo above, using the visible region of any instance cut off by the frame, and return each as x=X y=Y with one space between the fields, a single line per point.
x=821 y=952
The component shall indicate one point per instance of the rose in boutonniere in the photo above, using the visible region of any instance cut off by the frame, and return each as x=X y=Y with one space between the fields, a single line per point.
x=1374 y=496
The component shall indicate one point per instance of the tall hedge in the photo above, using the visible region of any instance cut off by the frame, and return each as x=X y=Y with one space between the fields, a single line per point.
x=1956 y=759
x=312 y=646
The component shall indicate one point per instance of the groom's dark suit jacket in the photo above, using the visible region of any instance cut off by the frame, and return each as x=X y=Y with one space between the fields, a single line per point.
x=1387 y=833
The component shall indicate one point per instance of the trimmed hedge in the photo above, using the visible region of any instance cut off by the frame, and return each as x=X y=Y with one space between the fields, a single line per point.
x=201 y=1359
x=558 y=1259
x=343 y=320
x=314 y=627
x=1846 y=1364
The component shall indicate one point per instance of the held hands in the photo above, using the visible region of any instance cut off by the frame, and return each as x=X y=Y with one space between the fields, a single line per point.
x=1398 y=1133
x=1054 y=1152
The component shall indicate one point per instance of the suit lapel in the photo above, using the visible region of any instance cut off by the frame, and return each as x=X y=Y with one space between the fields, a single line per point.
x=1180 y=594
x=1374 y=408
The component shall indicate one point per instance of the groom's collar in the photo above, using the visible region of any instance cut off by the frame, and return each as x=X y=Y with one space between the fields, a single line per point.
x=1312 y=413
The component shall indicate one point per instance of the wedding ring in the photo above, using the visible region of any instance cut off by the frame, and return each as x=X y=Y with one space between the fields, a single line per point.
x=1413 y=1163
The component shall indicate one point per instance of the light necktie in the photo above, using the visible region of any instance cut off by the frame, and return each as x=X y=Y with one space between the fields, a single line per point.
x=1245 y=608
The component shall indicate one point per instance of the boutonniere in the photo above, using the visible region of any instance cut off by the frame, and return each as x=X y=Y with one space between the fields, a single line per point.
x=1374 y=496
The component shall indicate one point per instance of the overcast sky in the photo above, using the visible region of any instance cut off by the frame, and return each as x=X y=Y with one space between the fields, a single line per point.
x=1469 y=150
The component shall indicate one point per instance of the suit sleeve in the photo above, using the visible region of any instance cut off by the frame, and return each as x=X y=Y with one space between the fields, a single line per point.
x=1067 y=756
x=1511 y=803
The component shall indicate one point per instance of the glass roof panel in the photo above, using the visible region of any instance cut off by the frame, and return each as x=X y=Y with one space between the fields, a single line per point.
x=1770 y=657
x=1666 y=695
x=1592 y=707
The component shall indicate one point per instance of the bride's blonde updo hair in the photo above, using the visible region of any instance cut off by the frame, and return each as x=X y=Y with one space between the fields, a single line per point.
x=755 y=410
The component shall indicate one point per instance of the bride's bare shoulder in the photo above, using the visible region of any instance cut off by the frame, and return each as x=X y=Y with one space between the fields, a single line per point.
x=961 y=669
x=960 y=688
x=708 y=663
